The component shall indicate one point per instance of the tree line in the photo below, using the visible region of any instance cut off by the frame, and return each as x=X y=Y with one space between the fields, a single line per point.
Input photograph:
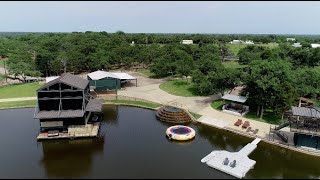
x=273 y=77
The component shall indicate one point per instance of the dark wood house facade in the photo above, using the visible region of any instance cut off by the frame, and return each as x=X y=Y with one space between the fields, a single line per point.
x=305 y=123
x=65 y=101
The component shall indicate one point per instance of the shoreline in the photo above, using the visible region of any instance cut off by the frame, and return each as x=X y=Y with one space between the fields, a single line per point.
x=265 y=140
x=306 y=152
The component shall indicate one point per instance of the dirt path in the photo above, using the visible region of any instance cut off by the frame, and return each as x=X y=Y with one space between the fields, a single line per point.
x=18 y=99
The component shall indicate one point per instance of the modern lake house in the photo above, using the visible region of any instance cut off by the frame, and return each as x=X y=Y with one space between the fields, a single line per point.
x=65 y=108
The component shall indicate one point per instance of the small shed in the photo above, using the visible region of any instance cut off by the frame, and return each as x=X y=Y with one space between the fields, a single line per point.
x=102 y=80
x=235 y=105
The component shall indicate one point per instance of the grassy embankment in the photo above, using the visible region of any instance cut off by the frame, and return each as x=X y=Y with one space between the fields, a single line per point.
x=19 y=90
x=179 y=88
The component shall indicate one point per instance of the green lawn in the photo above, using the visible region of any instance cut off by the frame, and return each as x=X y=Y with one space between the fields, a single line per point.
x=268 y=117
x=235 y=48
x=17 y=104
x=217 y=104
x=149 y=74
x=19 y=90
x=179 y=88
x=137 y=103
x=233 y=64
x=195 y=115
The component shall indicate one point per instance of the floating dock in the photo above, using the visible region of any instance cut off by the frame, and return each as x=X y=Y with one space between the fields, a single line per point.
x=217 y=160
x=75 y=131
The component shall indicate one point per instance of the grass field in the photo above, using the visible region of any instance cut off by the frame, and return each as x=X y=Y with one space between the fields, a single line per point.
x=179 y=88
x=233 y=64
x=268 y=117
x=19 y=90
x=217 y=104
x=195 y=115
x=136 y=103
x=235 y=48
x=17 y=104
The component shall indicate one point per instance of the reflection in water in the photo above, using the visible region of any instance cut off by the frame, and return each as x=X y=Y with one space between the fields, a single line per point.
x=222 y=140
x=110 y=113
x=70 y=158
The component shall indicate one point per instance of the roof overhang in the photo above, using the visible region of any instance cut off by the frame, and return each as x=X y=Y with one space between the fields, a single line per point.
x=234 y=98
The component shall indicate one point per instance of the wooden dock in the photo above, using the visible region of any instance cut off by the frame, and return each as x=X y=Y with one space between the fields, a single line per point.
x=217 y=160
x=75 y=131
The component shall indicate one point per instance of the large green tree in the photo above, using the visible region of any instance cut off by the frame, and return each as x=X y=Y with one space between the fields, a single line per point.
x=21 y=63
x=263 y=81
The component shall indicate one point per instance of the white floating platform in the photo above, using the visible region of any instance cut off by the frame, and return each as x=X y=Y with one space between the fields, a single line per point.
x=243 y=163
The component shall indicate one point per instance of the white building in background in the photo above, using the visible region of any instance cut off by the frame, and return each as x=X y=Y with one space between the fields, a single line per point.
x=296 y=44
x=291 y=39
x=315 y=45
x=187 y=42
x=248 y=42
x=241 y=42
x=236 y=41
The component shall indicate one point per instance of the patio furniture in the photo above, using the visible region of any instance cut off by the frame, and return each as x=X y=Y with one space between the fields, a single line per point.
x=233 y=163
x=249 y=129
x=255 y=131
x=225 y=161
x=246 y=124
x=238 y=122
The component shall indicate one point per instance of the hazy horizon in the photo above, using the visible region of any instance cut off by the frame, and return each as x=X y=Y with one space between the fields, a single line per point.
x=205 y=17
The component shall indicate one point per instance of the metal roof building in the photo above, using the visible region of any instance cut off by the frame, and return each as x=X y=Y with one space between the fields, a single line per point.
x=234 y=98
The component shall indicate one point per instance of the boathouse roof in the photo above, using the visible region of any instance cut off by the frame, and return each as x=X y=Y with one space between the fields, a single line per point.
x=307 y=112
x=69 y=79
x=234 y=98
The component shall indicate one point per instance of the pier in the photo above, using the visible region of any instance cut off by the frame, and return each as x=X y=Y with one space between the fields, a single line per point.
x=236 y=164
x=74 y=131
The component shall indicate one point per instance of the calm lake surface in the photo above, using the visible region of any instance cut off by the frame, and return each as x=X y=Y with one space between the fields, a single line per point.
x=132 y=144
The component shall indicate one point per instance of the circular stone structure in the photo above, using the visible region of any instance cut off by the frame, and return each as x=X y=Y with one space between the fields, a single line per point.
x=180 y=133
x=173 y=115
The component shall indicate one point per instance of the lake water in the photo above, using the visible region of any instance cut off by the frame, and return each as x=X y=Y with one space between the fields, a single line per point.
x=132 y=144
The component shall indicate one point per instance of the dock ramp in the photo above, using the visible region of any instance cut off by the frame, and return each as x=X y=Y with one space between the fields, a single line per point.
x=236 y=164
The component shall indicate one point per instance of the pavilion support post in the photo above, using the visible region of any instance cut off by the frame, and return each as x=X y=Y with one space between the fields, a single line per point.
x=136 y=82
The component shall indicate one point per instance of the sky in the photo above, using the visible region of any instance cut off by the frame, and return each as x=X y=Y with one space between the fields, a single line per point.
x=222 y=17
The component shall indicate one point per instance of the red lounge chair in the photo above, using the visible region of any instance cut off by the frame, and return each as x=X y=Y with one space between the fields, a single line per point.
x=238 y=122
x=246 y=124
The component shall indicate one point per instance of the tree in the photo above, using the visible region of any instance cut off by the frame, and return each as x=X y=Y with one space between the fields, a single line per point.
x=224 y=79
x=21 y=63
x=308 y=82
x=163 y=66
x=285 y=97
x=263 y=81
x=185 y=65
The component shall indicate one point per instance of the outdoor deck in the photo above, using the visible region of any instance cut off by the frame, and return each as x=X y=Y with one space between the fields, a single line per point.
x=243 y=164
x=75 y=131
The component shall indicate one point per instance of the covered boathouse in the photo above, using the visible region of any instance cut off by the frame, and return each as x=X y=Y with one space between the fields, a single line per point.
x=305 y=123
x=66 y=109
